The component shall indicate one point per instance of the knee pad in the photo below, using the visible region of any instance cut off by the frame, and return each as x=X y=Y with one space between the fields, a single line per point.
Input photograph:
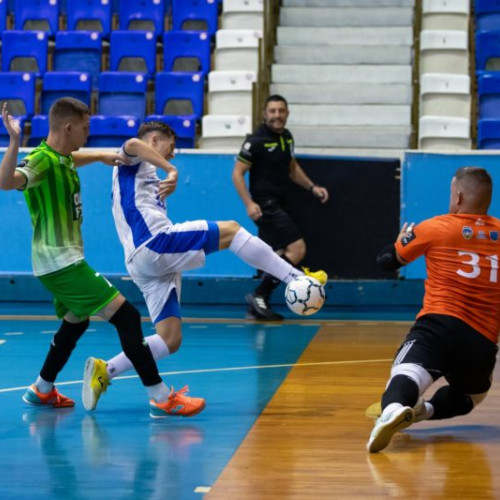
x=477 y=398
x=418 y=374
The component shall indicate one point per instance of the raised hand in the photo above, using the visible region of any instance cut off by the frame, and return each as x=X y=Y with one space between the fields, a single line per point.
x=11 y=124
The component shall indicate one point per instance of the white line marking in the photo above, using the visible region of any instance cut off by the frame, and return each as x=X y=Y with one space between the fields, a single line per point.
x=202 y=489
x=2 y=342
x=49 y=331
x=198 y=327
x=235 y=326
x=91 y=330
x=14 y=333
x=229 y=369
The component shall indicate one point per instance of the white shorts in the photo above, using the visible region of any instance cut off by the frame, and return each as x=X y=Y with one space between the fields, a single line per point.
x=156 y=268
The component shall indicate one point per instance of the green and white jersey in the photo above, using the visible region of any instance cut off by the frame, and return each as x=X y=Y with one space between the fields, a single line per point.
x=52 y=192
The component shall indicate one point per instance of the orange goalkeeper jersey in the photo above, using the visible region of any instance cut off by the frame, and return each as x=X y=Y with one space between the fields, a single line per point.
x=461 y=254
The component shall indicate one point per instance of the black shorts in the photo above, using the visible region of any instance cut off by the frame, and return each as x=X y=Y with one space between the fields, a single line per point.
x=276 y=227
x=447 y=347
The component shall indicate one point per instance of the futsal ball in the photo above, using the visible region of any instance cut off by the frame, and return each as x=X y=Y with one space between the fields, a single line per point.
x=305 y=295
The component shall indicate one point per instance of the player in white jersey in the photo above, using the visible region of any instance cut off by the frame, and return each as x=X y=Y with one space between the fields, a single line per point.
x=157 y=251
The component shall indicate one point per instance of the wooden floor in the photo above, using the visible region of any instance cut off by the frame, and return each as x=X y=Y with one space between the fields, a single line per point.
x=310 y=441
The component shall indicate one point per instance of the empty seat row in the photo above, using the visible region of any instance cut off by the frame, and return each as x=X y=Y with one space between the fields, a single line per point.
x=82 y=51
x=119 y=93
x=109 y=131
x=98 y=15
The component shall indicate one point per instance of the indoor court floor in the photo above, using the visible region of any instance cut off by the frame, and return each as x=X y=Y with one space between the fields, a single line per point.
x=286 y=417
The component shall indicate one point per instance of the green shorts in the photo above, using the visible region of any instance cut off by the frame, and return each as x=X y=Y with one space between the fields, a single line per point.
x=79 y=289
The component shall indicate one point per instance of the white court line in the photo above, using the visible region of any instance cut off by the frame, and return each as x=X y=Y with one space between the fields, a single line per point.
x=235 y=326
x=49 y=331
x=14 y=333
x=229 y=369
x=197 y=327
x=2 y=342
x=202 y=489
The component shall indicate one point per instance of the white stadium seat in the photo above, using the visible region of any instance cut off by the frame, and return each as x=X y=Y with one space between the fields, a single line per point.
x=237 y=49
x=224 y=131
x=444 y=132
x=445 y=14
x=243 y=14
x=445 y=94
x=230 y=92
x=444 y=51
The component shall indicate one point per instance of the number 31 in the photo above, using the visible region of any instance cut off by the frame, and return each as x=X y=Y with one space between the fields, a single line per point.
x=476 y=270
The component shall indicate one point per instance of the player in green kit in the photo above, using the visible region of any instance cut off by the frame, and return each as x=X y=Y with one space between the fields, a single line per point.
x=51 y=185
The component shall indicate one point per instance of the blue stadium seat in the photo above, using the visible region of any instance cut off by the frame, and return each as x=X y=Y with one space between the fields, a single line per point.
x=142 y=15
x=488 y=134
x=199 y=15
x=18 y=89
x=25 y=51
x=487 y=15
x=488 y=89
x=122 y=93
x=3 y=17
x=186 y=51
x=79 y=51
x=4 y=135
x=39 y=129
x=93 y=15
x=184 y=127
x=133 y=51
x=57 y=84
x=36 y=15
x=487 y=49
x=179 y=94
x=111 y=131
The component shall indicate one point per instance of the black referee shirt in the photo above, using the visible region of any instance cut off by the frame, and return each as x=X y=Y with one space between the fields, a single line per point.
x=270 y=154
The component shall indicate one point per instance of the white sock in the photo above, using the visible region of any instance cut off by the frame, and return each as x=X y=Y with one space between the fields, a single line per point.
x=158 y=392
x=43 y=386
x=260 y=255
x=120 y=363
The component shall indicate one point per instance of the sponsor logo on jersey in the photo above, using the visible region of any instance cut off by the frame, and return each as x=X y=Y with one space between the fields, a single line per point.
x=480 y=222
x=494 y=235
x=247 y=146
x=407 y=238
x=481 y=235
x=467 y=232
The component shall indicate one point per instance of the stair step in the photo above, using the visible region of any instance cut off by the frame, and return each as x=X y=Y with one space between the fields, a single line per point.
x=354 y=93
x=345 y=36
x=333 y=73
x=344 y=16
x=349 y=115
x=351 y=54
x=376 y=137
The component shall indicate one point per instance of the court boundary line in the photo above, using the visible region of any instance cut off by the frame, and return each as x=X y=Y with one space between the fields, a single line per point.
x=227 y=369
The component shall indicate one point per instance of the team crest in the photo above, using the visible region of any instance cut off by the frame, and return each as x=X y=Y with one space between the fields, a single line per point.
x=494 y=235
x=481 y=235
x=467 y=232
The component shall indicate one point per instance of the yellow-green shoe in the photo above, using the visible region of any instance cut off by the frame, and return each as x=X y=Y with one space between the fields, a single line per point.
x=321 y=276
x=95 y=382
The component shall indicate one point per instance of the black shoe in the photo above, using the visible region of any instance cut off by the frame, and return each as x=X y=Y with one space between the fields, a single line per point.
x=259 y=309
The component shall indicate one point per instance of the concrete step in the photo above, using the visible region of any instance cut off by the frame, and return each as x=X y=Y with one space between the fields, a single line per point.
x=348 y=3
x=344 y=16
x=345 y=36
x=294 y=73
x=351 y=54
x=353 y=93
x=376 y=137
x=349 y=115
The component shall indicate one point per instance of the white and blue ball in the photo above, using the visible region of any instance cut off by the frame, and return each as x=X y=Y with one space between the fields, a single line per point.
x=305 y=295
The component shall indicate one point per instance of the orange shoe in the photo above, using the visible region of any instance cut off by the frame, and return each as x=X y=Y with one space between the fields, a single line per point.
x=177 y=404
x=53 y=398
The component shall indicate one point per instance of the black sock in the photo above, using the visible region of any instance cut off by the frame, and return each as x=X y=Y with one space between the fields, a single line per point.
x=401 y=389
x=127 y=321
x=450 y=402
x=269 y=283
x=63 y=343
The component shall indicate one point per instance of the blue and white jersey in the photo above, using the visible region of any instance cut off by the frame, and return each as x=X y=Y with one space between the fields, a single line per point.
x=139 y=214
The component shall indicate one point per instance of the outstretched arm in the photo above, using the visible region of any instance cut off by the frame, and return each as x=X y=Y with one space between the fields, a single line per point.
x=9 y=177
x=239 y=171
x=299 y=177
x=82 y=158
x=389 y=259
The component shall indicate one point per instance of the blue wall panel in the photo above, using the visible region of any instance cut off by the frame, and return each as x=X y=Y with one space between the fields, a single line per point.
x=205 y=191
x=425 y=189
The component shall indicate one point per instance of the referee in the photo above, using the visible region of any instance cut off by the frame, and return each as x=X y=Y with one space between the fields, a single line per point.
x=268 y=154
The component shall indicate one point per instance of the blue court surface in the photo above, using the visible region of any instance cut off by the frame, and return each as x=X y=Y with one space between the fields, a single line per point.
x=118 y=451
